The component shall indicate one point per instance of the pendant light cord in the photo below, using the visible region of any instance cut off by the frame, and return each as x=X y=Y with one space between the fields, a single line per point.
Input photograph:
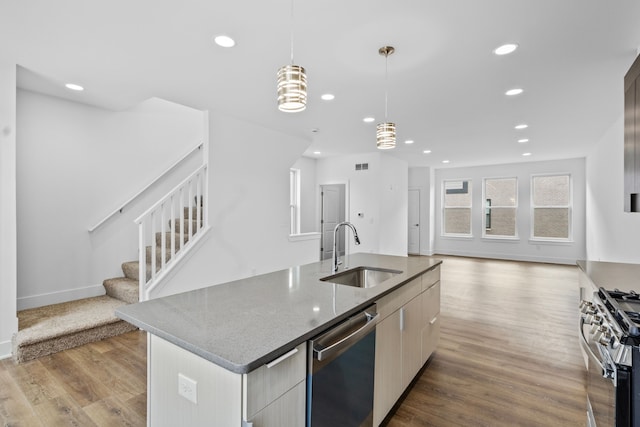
x=291 y=32
x=386 y=85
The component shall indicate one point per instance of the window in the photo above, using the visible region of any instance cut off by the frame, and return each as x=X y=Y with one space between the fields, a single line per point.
x=551 y=206
x=456 y=216
x=501 y=204
x=294 y=200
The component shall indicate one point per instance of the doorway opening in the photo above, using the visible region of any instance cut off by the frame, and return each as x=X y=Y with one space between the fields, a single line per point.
x=332 y=212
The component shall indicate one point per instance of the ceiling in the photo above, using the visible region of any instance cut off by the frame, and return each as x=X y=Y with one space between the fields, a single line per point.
x=445 y=86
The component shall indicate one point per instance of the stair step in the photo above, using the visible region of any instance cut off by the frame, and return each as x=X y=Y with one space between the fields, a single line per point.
x=123 y=288
x=194 y=212
x=167 y=256
x=50 y=329
x=179 y=224
x=131 y=269
x=167 y=238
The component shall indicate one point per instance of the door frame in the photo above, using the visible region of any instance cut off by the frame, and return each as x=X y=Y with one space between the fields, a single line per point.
x=347 y=198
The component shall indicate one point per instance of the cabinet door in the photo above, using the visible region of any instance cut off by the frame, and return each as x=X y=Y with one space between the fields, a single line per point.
x=388 y=370
x=286 y=411
x=430 y=337
x=411 y=325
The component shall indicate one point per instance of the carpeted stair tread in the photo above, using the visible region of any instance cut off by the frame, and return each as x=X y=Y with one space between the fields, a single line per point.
x=123 y=288
x=131 y=269
x=49 y=329
x=167 y=241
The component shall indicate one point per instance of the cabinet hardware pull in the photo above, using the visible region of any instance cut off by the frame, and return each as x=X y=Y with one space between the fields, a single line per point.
x=433 y=320
x=281 y=358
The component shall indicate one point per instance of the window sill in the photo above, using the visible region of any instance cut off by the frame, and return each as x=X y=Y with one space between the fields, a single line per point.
x=505 y=239
x=564 y=242
x=456 y=236
x=304 y=236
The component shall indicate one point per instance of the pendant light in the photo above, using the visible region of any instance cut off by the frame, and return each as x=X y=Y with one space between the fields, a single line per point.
x=386 y=132
x=292 y=83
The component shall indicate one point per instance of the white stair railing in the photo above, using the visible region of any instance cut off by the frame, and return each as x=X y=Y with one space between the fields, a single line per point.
x=169 y=228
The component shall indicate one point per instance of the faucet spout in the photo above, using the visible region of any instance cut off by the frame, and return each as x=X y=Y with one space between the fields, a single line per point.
x=336 y=261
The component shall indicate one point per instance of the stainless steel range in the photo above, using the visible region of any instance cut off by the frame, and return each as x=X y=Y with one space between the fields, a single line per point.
x=610 y=341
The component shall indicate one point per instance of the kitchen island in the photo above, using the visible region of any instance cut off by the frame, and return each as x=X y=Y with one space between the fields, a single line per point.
x=210 y=349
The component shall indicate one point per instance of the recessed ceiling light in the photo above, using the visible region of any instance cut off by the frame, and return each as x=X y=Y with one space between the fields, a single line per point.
x=224 y=41
x=369 y=120
x=317 y=153
x=523 y=140
x=445 y=161
x=409 y=141
x=505 y=49
x=427 y=151
x=522 y=126
x=526 y=154
x=511 y=92
x=74 y=87
x=328 y=97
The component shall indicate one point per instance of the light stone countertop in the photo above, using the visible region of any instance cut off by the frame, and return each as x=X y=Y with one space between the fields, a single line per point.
x=246 y=323
x=612 y=275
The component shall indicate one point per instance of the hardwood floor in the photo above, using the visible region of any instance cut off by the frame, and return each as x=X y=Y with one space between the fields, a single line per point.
x=508 y=353
x=508 y=356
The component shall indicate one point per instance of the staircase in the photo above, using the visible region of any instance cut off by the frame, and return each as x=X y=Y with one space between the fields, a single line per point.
x=53 y=328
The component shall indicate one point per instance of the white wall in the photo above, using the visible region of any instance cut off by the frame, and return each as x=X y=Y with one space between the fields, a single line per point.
x=379 y=194
x=420 y=178
x=8 y=258
x=612 y=234
x=522 y=248
x=76 y=164
x=248 y=208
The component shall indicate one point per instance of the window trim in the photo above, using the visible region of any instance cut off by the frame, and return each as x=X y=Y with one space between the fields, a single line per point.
x=467 y=186
x=294 y=201
x=515 y=208
x=537 y=240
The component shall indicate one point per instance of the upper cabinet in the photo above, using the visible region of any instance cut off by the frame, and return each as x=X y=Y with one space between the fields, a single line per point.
x=632 y=138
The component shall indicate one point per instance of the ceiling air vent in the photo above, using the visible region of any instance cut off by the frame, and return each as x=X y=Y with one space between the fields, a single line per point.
x=362 y=166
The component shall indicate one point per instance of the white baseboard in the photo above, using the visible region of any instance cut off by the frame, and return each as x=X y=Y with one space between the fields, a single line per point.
x=5 y=349
x=59 y=296
x=509 y=257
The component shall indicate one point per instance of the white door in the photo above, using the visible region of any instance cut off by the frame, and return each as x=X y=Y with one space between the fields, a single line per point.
x=331 y=216
x=414 y=222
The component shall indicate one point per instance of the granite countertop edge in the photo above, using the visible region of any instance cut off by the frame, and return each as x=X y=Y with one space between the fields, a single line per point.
x=138 y=314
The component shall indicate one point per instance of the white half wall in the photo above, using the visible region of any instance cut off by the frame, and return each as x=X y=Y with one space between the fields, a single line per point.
x=377 y=199
x=248 y=208
x=8 y=242
x=75 y=165
x=612 y=234
x=522 y=248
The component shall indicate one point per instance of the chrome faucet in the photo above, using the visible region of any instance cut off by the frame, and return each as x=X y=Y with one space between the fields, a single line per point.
x=336 y=263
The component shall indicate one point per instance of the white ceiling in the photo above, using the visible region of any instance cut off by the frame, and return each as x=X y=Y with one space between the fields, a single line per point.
x=446 y=87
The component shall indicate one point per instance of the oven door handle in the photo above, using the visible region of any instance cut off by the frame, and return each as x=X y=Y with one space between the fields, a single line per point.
x=606 y=372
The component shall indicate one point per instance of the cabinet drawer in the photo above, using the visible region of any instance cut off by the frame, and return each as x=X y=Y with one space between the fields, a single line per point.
x=396 y=299
x=265 y=384
x=430 y=277
x=286 y=411
x=430 y=338
x=430 y=303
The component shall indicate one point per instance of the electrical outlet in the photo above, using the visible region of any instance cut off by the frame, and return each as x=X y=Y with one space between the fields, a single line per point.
x=188 y=388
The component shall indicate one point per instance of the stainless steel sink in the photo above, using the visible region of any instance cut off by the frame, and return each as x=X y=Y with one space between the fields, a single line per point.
x=362 y=277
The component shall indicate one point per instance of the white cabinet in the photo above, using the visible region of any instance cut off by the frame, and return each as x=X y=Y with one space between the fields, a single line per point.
x=406 y=336
x=271 y=396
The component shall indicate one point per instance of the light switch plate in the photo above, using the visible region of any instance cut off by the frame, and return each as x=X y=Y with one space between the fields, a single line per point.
x=188 y=388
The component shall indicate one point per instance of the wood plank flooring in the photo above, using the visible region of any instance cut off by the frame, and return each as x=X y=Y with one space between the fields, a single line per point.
x=508 y=356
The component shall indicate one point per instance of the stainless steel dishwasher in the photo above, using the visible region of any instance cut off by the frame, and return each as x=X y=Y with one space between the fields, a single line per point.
x=341 y=372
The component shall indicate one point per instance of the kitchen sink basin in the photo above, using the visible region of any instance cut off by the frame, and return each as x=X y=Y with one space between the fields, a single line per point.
x=362 y=277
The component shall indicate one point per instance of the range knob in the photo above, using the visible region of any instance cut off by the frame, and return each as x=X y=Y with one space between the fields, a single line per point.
x=605 y=339
x=587 y=307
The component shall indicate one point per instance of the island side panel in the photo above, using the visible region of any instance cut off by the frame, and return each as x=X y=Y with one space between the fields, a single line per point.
x=218 y=391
